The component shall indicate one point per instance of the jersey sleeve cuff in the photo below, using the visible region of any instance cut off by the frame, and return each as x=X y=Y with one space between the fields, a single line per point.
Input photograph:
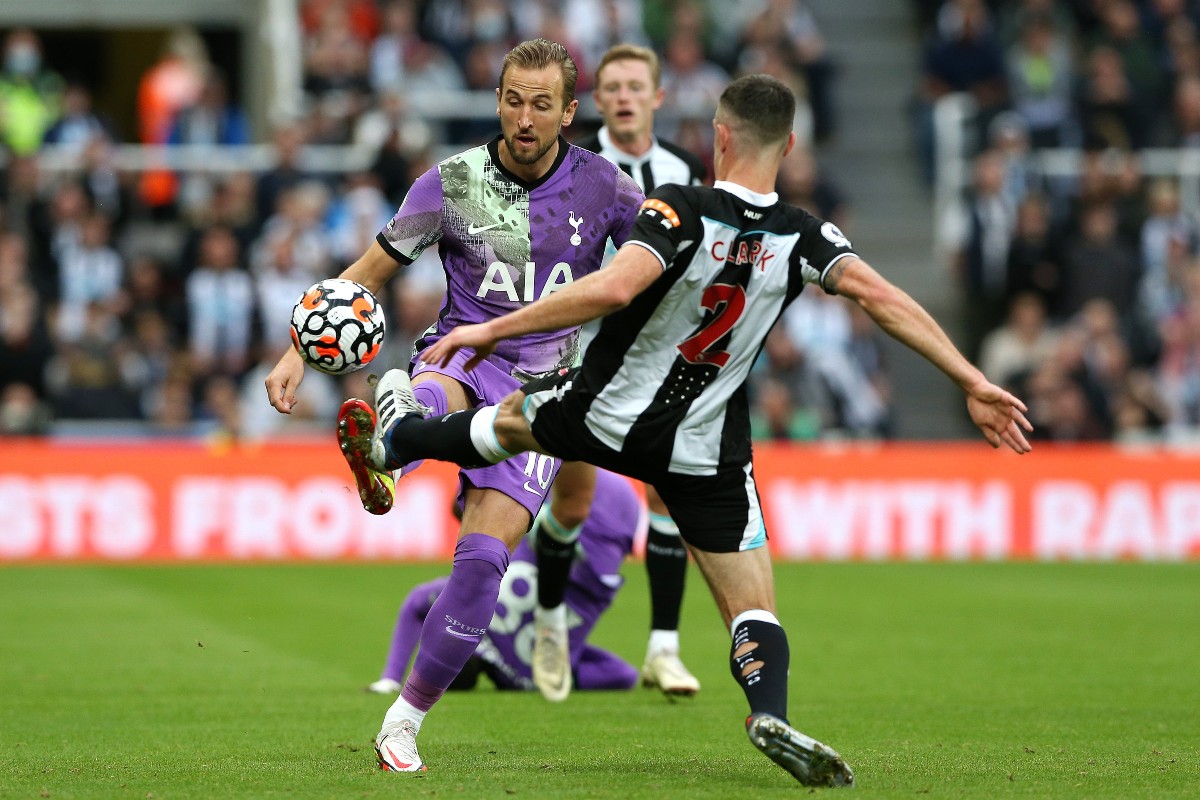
x=829 y=266
x=662 y=261
x=392 y=251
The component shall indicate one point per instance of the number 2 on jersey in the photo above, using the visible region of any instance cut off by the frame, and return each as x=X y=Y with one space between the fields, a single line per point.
x=727 y=302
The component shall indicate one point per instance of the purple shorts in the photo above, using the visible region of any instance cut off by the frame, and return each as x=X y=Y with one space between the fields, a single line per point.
x=525 y=478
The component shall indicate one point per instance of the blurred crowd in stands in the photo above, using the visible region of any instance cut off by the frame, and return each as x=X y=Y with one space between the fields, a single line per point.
x=1082 y=291
x=162 y=298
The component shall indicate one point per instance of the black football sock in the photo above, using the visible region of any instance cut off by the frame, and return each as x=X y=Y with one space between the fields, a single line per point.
x=555 y=549
x=759 y=662
x=666 y=568
x=446 y=438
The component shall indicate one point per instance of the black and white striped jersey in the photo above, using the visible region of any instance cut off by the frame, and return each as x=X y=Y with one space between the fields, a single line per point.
x=664 y=380
x=662 y=163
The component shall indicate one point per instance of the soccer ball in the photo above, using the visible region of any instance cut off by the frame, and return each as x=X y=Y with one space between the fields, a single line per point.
x=337 y=326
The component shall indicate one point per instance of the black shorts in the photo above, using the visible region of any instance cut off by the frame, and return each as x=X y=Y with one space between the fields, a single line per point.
x=718 y=513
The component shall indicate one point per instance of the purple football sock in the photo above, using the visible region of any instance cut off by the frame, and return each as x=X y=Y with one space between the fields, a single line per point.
x=432 y=395
x=458 y=619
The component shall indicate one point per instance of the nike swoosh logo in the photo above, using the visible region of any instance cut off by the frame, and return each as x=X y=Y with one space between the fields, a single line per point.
x=527 y=488
x=473 y=229
x=467 y=636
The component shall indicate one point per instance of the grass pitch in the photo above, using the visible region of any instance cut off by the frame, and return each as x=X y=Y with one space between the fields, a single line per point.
x=933 y=680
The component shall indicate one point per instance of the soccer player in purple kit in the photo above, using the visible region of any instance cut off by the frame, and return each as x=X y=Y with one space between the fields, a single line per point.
x=505 y=652
x=515 y=220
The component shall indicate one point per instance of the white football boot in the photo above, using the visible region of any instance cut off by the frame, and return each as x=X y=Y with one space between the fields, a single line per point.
x=551 y=653
x=384 y=686
x=394 y=399
x=663 y=670
x=396 y=748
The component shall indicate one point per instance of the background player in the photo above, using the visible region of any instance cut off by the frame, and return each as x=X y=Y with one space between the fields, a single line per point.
x=660 y=395
x=627 y=94
x=516 y=219
x=505 y=652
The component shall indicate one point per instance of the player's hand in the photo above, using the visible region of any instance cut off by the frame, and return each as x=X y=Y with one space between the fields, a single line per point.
x=474 y=337
x=1000 y=416
x=284 y=380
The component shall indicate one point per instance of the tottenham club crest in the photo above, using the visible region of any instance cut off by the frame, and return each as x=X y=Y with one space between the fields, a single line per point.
x=576 y=239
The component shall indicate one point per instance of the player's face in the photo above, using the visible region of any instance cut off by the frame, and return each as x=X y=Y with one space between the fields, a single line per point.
x=627 y=99
x=532 y=114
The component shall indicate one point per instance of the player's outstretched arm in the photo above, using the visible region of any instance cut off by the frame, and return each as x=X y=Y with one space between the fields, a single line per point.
x=998 y=414
x=588 y=298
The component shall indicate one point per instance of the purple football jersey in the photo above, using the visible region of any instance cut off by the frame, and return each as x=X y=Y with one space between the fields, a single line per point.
x=505 y=242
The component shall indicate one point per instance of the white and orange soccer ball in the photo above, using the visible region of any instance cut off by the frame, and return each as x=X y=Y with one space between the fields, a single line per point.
x=337 y=326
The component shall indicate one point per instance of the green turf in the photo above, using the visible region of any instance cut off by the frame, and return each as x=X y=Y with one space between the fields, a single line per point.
x=958 y=681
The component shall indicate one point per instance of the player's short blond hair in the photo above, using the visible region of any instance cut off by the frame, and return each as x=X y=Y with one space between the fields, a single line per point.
x=631 y=52
x=539 y=54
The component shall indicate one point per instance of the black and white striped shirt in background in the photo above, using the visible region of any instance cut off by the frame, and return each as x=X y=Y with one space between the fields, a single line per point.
x=662 y=163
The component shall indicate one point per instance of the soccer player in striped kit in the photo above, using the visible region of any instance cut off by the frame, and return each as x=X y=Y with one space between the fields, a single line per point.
x=661 y=393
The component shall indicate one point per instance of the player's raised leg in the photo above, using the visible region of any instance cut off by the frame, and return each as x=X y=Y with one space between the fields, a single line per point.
x=666 y=570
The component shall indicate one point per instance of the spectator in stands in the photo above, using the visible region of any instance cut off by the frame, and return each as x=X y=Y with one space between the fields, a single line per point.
x=336 y=80
x=1098 y=264
x=821 y=328
x=84 y=377
x=1060 y=409
x=691 y=83
x=390 y=48
x=776 y=417
x=300 y=220
x=79 y=125
x=289 y=140
x=357 y=214
x=1184 y=128
x=802 y=183
x=1108 y=109
x=22 y=412
x=172 y=83
x=963 y=56
x=91 y=274
x=30 y=95
x=359 y=17
x=220 y=303
x=1034 y=257
x=1023 y=342
x=25 y=345
x=1121 y=32
x=789 y=27
x=20 y=192
x=1041 y=78
x=1169 y=238
x=981 y=257
x=1179 y=365
x=212 y=119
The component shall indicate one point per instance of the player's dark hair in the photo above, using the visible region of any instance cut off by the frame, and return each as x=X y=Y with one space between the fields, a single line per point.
x=760 y=105
x=541 y=53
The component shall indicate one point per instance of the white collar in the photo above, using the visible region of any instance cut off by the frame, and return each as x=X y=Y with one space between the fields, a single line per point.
x=606 y=143
x=753 y=198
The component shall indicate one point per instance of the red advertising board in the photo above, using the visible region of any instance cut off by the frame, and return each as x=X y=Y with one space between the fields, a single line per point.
x=289 y=501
